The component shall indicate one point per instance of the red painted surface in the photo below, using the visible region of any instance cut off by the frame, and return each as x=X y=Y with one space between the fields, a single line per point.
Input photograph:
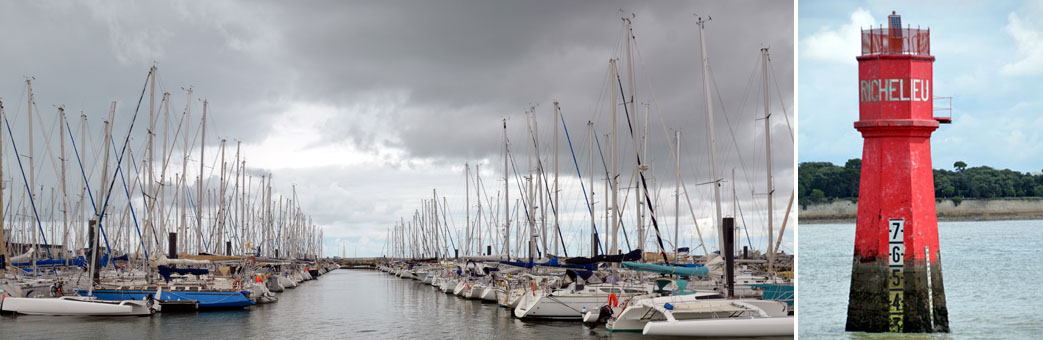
x=896 y=121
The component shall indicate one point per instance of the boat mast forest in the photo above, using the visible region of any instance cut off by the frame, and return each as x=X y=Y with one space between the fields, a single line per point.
x=537 y=224
x=141 y=190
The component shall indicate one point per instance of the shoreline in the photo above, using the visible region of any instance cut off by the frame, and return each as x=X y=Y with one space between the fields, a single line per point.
x=806 y=220
x=845 y=211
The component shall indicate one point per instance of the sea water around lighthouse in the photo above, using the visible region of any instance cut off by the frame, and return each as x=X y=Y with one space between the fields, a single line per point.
x=991 y=273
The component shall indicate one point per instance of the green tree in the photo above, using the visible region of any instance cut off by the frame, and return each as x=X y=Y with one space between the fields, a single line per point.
x=837 y=182
x=817 y=195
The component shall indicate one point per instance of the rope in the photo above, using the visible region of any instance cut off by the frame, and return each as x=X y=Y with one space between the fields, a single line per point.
x=644 y=182
x=130 y=204
x=581 y=185
x=31 y=200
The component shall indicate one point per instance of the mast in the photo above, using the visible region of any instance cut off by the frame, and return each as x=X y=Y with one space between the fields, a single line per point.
x=713 y=137
x=434 y=224
x=767 y=147
x=268 y=224
x=3 y=242
x=608 y=207
x=83 y=184
x=478 y=192
x=613 y=177
x=199 y=188
x=32 y=171
x=95 y=223
x=467 y=206
x=241 y=183
x=639 y=197
x=163 y=170
x=531 y=218
x=593 y=226
x=221 y=202
x=677 y=193
x=540 y=184
x=506 y=195
x=183 y=226
x=65 y=194
x=643 y=188
x=242 y=204
x=557 y=115
x=151 y=154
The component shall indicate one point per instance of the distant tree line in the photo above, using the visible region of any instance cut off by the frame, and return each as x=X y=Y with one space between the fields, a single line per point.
x=823 y=181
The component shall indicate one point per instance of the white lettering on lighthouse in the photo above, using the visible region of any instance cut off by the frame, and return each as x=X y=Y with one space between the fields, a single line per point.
x=895 y=90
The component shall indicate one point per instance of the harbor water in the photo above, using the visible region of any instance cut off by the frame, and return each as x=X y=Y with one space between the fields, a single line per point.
x=991 y=272
x=342 y=304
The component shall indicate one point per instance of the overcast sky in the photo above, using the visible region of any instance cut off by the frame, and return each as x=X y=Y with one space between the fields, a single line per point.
x=989 y=60
x=368 y=106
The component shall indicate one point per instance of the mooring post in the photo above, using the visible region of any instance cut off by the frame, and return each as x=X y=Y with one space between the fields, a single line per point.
x=728 y=251
x=896 y=275
x=92 y=245
x=172 y=246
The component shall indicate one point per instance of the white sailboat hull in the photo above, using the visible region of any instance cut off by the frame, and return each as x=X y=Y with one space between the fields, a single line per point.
x=724 y=327
x=558 y=307
x=475 y=292
x=489 y=294
x=74 y=306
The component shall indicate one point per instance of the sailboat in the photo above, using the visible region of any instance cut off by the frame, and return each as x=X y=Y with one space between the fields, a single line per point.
x=692 y=315
x=88 y=305
x=722 y=318
x=76 y=305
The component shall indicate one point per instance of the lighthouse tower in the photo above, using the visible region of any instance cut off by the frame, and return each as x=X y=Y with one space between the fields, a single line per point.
x=896 y=277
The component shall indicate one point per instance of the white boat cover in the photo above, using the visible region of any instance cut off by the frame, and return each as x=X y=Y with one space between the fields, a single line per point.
x=723 y=327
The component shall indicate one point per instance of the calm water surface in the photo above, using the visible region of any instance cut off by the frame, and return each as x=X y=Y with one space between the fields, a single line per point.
x=341 y=304
x=992 y=274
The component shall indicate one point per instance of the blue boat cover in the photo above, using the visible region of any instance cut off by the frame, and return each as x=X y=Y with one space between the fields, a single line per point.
x=166 y=271
x=672 y=270
x=553 y=262
x=779 y=292
x=43 y=263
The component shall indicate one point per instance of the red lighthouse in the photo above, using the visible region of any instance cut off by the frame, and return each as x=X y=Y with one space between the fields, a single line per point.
x=896 y=278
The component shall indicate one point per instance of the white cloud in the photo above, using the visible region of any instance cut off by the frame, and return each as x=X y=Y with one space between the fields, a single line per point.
x=1029 y=41
x=302 y=139
x=838 y=45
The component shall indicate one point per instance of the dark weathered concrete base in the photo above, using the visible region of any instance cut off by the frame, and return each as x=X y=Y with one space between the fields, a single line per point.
x=924 y=309
x=867 y=308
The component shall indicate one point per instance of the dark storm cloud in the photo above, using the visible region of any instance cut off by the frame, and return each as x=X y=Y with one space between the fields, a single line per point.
x=432 y=79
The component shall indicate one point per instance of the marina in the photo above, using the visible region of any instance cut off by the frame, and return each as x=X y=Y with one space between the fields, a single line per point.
x=299 y=177
x=397 y=308
x=99 y=271
x=628 y=281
